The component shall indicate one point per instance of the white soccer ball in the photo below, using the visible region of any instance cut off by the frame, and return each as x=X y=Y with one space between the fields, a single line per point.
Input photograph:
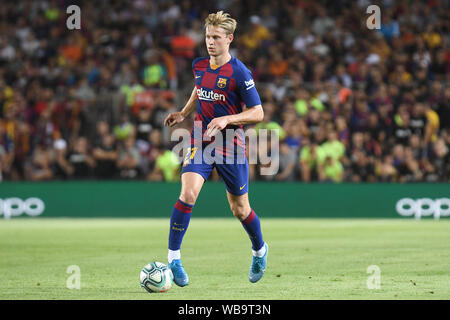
x=156 y=277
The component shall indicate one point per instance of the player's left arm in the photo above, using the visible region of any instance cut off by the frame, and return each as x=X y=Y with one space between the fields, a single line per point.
x=251 y=115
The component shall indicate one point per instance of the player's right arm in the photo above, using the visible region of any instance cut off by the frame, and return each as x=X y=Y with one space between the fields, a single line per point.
x=177 y=117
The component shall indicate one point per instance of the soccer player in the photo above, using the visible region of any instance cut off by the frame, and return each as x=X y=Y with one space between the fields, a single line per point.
x=222 y=85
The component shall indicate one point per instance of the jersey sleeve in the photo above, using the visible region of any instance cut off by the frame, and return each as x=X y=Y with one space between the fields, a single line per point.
x=245 y=86
x=193 y=65
x=194 y=62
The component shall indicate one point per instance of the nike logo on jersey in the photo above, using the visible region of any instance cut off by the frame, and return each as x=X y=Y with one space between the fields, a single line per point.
x=242 y=187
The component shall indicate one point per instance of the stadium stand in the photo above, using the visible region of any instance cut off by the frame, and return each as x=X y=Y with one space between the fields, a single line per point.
x=350 y=104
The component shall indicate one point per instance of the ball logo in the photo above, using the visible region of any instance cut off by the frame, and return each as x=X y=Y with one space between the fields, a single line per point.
x=13 y=207
x=423 y=207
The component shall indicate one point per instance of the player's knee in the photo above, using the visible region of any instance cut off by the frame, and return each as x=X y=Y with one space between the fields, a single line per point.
x=188 y=196
x=240 y=211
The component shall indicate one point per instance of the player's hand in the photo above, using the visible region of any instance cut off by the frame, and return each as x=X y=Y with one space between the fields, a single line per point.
x=216 y=125
x=173 y=118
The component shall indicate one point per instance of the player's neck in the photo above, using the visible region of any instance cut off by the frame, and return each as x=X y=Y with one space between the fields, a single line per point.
x=219 y=61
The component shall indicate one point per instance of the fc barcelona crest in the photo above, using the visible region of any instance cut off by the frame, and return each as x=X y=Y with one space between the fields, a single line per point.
x=222 y=83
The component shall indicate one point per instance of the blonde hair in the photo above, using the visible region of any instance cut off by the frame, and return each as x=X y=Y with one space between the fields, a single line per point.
x=222 y=20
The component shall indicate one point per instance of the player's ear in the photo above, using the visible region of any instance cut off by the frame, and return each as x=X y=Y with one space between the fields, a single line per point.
x=230 y=37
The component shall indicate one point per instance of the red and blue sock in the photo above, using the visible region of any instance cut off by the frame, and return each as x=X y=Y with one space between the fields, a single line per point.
x=179 y=222
x=252 y=225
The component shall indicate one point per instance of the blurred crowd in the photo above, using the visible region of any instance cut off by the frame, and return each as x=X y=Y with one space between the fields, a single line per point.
x=348 y=103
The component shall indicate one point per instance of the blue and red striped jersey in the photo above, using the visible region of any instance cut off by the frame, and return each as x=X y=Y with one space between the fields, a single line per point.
x=223 y=91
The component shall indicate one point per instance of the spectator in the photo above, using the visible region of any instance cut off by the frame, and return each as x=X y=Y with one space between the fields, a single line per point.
x=308 y=161
x=402 y=131
x=304 y=102
x=78 y=163
x=124 y=129
x=278 y=66
x=287 y=163
x=102 y=128
x=322 y=22
x=183 y=46
x=332 y=148
x=385 y=169
x=294 y=134
x=106 y=156
x=167 y=167
x=39 y=168
x=439 y=159
x=303 y=40
x=154 y=74
x=389 y=27
x=432 y=127
x=256 y=34
x=362 y=169
x=418 y=119
x=143 y=128
x=331 y=170
x=128 y=159
x=414 y=173
x=268 y=125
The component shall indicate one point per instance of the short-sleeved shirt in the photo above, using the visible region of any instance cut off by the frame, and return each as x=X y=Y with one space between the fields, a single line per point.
x=168 y=163
x=334 y=171
x=221 y=92
x=334 y=149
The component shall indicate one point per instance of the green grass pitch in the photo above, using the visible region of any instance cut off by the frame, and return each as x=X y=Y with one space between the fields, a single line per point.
x=308 y=258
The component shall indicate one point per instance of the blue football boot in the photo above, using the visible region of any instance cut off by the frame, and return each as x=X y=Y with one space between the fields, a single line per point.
x=258 y=266
x=180 y=276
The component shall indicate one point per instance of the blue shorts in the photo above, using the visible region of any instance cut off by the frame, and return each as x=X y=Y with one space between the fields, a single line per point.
x=235 y=175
